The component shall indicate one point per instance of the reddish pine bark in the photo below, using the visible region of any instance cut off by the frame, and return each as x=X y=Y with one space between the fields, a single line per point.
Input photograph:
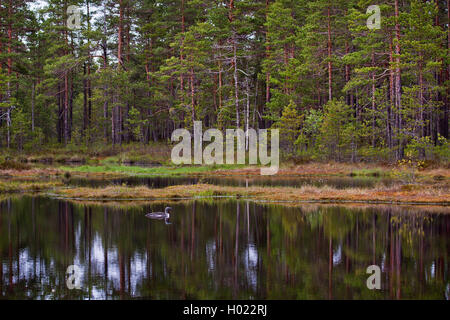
x=330 y=64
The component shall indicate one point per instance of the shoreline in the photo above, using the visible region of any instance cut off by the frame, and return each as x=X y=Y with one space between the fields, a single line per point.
x=306 y=194
x=314 y=169
x=424 y=187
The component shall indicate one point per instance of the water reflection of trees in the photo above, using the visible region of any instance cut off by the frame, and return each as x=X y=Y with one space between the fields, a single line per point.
x=221 y=250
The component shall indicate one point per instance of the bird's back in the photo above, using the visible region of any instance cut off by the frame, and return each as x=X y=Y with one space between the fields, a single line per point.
x=156 y=215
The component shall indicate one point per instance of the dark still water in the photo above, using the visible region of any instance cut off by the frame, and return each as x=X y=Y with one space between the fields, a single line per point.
x=286 y=181
x=221 y=250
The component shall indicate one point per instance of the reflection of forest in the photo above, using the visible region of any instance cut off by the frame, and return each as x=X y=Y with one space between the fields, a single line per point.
x=225 y=249
x=338 y=182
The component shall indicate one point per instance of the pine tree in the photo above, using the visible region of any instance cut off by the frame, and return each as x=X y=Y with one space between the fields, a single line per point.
x=136 y=70
x=289 y=124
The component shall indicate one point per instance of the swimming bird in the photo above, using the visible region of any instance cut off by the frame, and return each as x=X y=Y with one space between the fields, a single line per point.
x=160 y=215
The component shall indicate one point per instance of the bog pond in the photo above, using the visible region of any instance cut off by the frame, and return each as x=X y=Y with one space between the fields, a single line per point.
x=221 y=249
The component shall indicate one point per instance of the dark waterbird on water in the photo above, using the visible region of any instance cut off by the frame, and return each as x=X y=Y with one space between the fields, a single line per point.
x=160 y=215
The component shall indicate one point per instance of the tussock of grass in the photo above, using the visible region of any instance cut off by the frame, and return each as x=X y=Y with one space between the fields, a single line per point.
x=26 y=186
x=141 y=192
x=31 y=173
x=305 y=193
x=13 y=165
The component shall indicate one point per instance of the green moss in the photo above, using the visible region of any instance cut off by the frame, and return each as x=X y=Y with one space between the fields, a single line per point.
x=152 y=171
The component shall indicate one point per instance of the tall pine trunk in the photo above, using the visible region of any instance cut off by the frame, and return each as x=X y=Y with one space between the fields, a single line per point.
x=391 y=102
x=183 y=30
x=116 y=115
x=88 y=80
x=85 y=101
x=398 y=83
x=267 y=56
x=235 y=68
x=373 y=101
x=236 y=80
x=105 y=87
x=33 y=97
x=1 y=69
x=8 y=92
x=444 y=125
x=191 y=78
x=330 y=64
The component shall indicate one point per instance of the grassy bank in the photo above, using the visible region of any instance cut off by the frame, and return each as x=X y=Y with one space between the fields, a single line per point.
x=395 y=194
x=148 y=171
x=101 y=171
x=154 y=159
x=312 y=169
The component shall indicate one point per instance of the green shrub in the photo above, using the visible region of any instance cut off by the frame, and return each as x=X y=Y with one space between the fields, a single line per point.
x=442 y=149
x=425 y=149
